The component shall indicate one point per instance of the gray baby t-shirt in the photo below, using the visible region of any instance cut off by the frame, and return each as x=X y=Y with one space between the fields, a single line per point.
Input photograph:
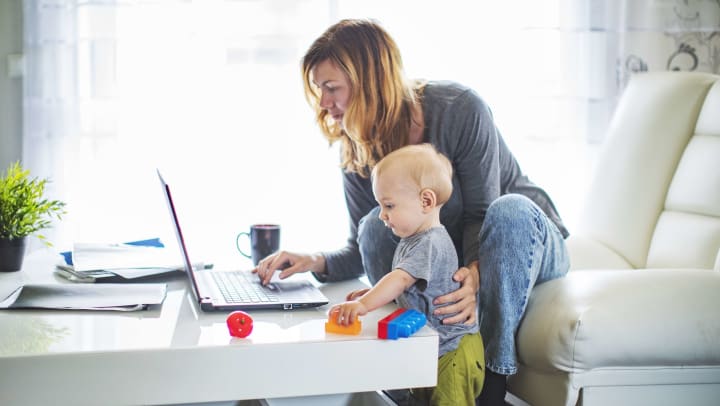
x=430 y=257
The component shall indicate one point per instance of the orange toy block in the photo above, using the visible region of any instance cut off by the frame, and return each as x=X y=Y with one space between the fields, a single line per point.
x=332 y=326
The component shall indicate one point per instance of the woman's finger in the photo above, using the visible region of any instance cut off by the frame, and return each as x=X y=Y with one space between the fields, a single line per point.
x=461 y=304
x=464 y=301
x=295 y=264
x=267 y=266
x=464 y=314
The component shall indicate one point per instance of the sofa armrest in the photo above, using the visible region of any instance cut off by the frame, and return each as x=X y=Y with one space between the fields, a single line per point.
x=613 y=318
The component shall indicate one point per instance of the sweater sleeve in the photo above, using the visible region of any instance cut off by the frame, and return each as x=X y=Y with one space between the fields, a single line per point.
x=346 y=263
x=461 y=126
x=474 y=145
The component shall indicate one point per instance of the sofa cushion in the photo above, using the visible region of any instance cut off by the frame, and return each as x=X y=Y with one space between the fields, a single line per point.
x=709 y=120
x=695 y=187
x=623 y=319
x=684 y=240
x=687 y=233
x=610 y=334
x=645 y=142
x=586 y=253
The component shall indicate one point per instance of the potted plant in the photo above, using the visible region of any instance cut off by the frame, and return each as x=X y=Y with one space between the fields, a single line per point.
x=23 y=211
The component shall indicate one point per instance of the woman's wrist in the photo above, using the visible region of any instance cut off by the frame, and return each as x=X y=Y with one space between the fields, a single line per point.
x=320 y=265
x=475 y=270
x=319 y=269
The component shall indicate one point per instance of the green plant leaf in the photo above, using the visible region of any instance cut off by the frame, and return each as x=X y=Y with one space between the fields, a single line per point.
x=23 y=208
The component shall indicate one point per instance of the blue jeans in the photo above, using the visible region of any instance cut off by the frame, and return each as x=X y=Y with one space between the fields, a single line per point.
x=520 y=247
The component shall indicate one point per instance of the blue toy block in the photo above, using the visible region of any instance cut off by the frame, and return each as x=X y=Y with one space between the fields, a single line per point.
x=401 y=323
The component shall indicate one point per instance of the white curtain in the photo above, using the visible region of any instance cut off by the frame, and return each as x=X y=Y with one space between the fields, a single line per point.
x=209 y=92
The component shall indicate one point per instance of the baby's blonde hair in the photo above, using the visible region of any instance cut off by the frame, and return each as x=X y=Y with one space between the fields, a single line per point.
x=423 y=165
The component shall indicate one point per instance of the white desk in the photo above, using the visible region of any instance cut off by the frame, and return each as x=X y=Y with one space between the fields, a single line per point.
x=177 y=354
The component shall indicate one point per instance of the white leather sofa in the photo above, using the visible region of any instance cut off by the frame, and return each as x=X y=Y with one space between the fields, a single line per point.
x=637 y=319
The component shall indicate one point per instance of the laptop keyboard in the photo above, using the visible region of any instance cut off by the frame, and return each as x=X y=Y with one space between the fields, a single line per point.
x=237 y=287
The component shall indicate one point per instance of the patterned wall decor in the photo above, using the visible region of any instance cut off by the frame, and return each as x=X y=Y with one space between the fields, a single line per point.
x=678 y=35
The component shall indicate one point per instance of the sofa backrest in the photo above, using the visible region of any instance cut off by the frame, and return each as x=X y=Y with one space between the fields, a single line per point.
x=655 y=195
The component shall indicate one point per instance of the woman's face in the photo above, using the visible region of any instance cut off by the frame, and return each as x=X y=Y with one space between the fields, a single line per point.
x=334 y=88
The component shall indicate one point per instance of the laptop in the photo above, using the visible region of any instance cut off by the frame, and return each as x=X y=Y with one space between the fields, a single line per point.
x=218 y=290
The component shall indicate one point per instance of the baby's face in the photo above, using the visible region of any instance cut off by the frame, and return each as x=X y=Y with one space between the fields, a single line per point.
x=401 y=207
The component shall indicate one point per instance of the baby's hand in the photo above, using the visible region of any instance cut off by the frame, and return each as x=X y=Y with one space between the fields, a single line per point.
x=348 y=312
x=356 y=294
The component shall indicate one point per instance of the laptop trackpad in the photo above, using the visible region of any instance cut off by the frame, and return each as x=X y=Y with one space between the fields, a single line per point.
x=287 y=286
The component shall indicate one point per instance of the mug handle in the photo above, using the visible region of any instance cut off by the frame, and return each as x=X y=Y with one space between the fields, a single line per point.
x=237 y=243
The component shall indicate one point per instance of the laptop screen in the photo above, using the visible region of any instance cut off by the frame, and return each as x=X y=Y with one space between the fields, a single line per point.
x=179 y=234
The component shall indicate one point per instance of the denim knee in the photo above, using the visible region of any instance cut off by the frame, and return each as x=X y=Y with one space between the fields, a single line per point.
x=511 y=209
x=376 y=244
x=512 y=227
x=519 y=247
x=370 y=227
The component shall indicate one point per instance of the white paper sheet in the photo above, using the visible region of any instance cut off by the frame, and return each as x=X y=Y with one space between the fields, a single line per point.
x=122 y=297
x=94 y=256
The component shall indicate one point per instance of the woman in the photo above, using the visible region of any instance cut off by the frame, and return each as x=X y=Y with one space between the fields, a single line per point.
x=506 y=231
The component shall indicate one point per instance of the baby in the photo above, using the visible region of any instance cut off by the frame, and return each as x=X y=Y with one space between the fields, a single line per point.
x=411 y=184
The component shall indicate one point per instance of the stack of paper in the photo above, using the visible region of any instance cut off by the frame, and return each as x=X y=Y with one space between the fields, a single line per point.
x=101 y=263
x=88 y=257
x=104 y=262
x=67 y=296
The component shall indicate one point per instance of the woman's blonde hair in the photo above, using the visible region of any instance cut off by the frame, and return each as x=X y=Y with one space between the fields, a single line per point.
x=379 y=112
x=423 y=165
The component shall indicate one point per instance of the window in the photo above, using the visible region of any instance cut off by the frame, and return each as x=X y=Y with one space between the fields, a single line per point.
x=210 y=93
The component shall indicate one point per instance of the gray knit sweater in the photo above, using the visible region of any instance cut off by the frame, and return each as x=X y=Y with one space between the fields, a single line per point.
x=460 y=125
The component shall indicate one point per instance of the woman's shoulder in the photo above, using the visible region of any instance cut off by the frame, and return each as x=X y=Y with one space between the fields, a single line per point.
x=455 y=116
x=442 y=94
x=443 y=88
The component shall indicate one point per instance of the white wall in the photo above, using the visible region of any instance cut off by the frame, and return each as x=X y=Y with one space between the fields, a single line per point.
x=11 y=29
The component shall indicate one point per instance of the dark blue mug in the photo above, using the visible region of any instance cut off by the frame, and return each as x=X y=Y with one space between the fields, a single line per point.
x=264 y=240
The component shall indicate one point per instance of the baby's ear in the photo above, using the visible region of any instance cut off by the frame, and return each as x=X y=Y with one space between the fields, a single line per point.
x=428 y=198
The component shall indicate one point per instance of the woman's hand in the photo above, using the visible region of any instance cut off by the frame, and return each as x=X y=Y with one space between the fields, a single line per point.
x=289 y=263
x=464 y=300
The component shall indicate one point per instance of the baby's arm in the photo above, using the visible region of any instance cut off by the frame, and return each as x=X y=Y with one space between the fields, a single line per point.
x=385 y=291
x=356 y=294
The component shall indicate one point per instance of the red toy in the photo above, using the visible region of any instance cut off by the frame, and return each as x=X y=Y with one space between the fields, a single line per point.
x=240 y=324
x=401 y=323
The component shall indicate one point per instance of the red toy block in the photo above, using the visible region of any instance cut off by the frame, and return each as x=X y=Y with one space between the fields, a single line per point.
x=401 y=323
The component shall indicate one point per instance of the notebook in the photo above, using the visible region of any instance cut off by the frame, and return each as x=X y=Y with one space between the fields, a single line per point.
x=240 y=289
